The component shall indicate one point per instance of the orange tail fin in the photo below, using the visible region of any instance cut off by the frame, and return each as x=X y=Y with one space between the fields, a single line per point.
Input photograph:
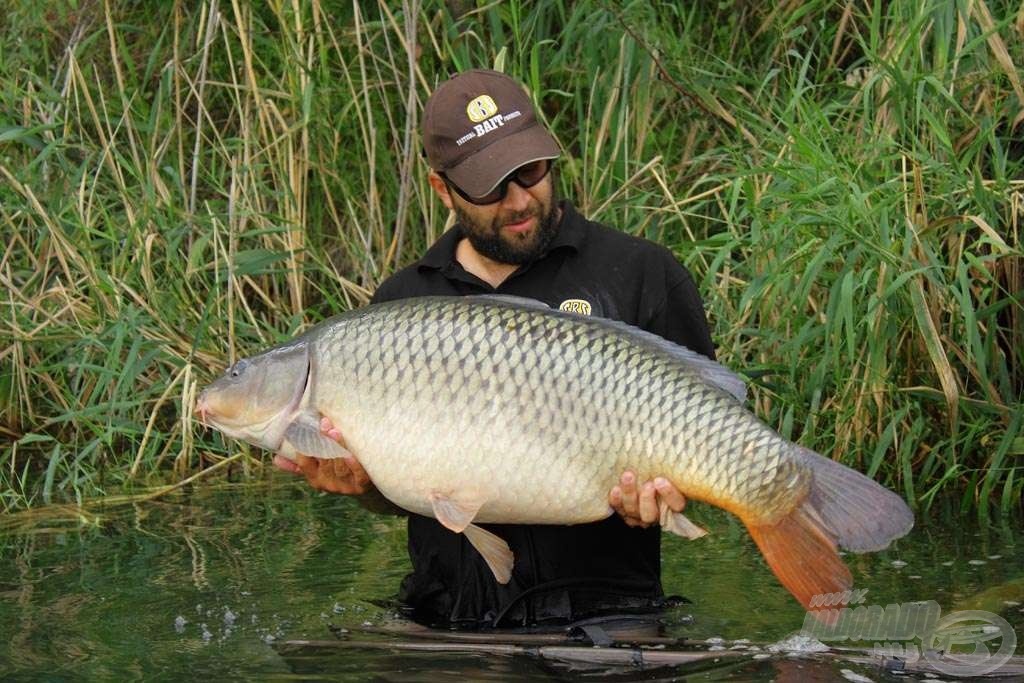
x=803 y=555
x=843 y=508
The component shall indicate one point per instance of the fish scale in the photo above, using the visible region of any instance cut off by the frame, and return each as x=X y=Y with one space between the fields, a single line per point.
x=532 y=374
x=479 y=409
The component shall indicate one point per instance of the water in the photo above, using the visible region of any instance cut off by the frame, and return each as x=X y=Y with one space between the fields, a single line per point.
x=215 y=582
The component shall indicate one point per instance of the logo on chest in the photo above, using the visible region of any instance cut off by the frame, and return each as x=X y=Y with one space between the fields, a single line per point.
x=575 y=306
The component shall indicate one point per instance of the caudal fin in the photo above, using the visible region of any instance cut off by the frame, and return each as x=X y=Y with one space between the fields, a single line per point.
x=843 y=509
x=861 y=514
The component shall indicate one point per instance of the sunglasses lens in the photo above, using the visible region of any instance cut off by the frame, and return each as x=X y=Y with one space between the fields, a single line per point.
x=495 y=195
x=524 y=176
x=531 y=174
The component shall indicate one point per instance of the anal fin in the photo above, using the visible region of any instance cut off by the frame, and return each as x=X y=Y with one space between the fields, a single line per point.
x=679 y=524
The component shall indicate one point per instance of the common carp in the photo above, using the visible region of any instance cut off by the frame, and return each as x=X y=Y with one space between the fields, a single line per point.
x=458 y=406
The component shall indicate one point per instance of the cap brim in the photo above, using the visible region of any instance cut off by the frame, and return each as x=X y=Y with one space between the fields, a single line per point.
x=480 y=173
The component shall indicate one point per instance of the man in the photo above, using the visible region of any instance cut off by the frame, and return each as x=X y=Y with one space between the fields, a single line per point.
x=492 y=165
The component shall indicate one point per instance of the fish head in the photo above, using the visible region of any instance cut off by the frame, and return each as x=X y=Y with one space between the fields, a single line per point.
x=257 y=397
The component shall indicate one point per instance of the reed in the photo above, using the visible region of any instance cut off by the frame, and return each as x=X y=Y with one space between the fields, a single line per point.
x=185 y=183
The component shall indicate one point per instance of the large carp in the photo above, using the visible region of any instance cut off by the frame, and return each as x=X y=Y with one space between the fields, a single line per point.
x=492 y=409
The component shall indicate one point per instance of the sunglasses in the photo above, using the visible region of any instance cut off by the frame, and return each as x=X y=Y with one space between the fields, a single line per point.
x=525 y=176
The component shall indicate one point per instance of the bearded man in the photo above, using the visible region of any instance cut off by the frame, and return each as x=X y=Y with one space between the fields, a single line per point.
x=493 y=165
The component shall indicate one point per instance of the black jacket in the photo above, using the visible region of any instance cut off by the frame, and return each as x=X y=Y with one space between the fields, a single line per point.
x=561 y=573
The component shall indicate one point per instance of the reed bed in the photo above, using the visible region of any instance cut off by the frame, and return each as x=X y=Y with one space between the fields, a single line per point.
x=185 y=183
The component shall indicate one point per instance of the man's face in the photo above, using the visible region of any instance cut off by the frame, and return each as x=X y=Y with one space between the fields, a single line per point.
x=515 y=230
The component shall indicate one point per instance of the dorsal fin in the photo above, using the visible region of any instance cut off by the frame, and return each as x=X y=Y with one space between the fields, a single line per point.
x=708 y=370
x=510 y=299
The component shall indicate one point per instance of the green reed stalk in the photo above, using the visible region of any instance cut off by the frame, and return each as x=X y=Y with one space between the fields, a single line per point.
x=182 y=184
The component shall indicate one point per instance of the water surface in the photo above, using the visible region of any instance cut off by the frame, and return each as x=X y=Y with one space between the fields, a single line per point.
x=213 y=582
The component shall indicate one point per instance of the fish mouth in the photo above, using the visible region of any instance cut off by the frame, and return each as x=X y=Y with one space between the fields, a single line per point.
x=202 y=409
x=208 y=416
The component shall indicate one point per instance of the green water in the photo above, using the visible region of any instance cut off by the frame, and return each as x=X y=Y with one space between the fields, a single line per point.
x=211 y=583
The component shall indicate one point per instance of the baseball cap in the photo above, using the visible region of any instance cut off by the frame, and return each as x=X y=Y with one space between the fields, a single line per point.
x=480 y=126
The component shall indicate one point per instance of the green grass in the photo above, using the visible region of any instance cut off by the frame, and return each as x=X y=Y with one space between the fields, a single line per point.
x=185 y=183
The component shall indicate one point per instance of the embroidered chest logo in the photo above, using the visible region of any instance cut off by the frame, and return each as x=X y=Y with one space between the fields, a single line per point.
x=575 y=306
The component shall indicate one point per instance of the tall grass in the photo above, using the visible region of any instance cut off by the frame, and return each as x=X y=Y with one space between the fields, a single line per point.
x=182 y=184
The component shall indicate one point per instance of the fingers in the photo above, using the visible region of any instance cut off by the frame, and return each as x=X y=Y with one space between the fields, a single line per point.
x=283 y=463
x=360 y=479
x=309 y=467
x=328 y=429
x=640 y=505
x=630 y=504
x=615 y=500
x=633 y=505
x=670 y=494
x=338 y=475
x=648 y=504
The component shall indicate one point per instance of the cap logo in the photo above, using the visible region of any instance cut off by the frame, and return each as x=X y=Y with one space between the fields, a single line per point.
x=480 y=108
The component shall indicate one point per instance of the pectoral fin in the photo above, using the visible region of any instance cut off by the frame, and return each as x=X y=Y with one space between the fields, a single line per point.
x=677 y=523
x=458 y=515
x=305 y=437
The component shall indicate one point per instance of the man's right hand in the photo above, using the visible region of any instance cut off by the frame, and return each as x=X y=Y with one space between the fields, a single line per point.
x=337 y=475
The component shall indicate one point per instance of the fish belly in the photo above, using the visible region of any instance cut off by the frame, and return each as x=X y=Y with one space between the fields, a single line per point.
x=515 y=480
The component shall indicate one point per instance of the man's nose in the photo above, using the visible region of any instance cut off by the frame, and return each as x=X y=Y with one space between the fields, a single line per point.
x=517 y=198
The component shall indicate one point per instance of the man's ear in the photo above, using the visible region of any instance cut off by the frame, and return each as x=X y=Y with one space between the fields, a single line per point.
x=441 y=188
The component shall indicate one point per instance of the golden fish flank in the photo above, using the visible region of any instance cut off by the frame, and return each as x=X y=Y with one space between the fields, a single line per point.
x=457 y=406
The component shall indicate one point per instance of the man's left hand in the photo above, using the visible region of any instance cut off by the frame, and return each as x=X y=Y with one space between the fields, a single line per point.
x=640 y=505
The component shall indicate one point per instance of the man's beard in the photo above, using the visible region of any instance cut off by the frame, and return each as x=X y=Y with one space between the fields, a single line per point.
x=516 y=250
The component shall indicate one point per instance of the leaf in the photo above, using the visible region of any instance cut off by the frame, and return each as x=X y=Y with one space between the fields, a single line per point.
x=51 y=471
x=23 y=135
x=33 y=438
x=257 y=261
x=499 y=59
x=933 y=343
x=998 y=47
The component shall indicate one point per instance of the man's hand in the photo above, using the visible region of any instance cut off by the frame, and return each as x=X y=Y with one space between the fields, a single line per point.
x=338 y=475
x=639 y=506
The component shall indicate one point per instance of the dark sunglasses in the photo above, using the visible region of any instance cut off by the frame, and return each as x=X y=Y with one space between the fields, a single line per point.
x=525 y=176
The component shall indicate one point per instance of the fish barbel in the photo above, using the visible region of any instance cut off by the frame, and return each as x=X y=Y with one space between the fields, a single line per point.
x=458 y=406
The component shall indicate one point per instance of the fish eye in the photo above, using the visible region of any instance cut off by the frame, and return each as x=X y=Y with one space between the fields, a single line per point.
x=238 y=368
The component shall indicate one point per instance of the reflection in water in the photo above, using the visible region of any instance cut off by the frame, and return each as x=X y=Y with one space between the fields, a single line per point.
x=214 y=582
